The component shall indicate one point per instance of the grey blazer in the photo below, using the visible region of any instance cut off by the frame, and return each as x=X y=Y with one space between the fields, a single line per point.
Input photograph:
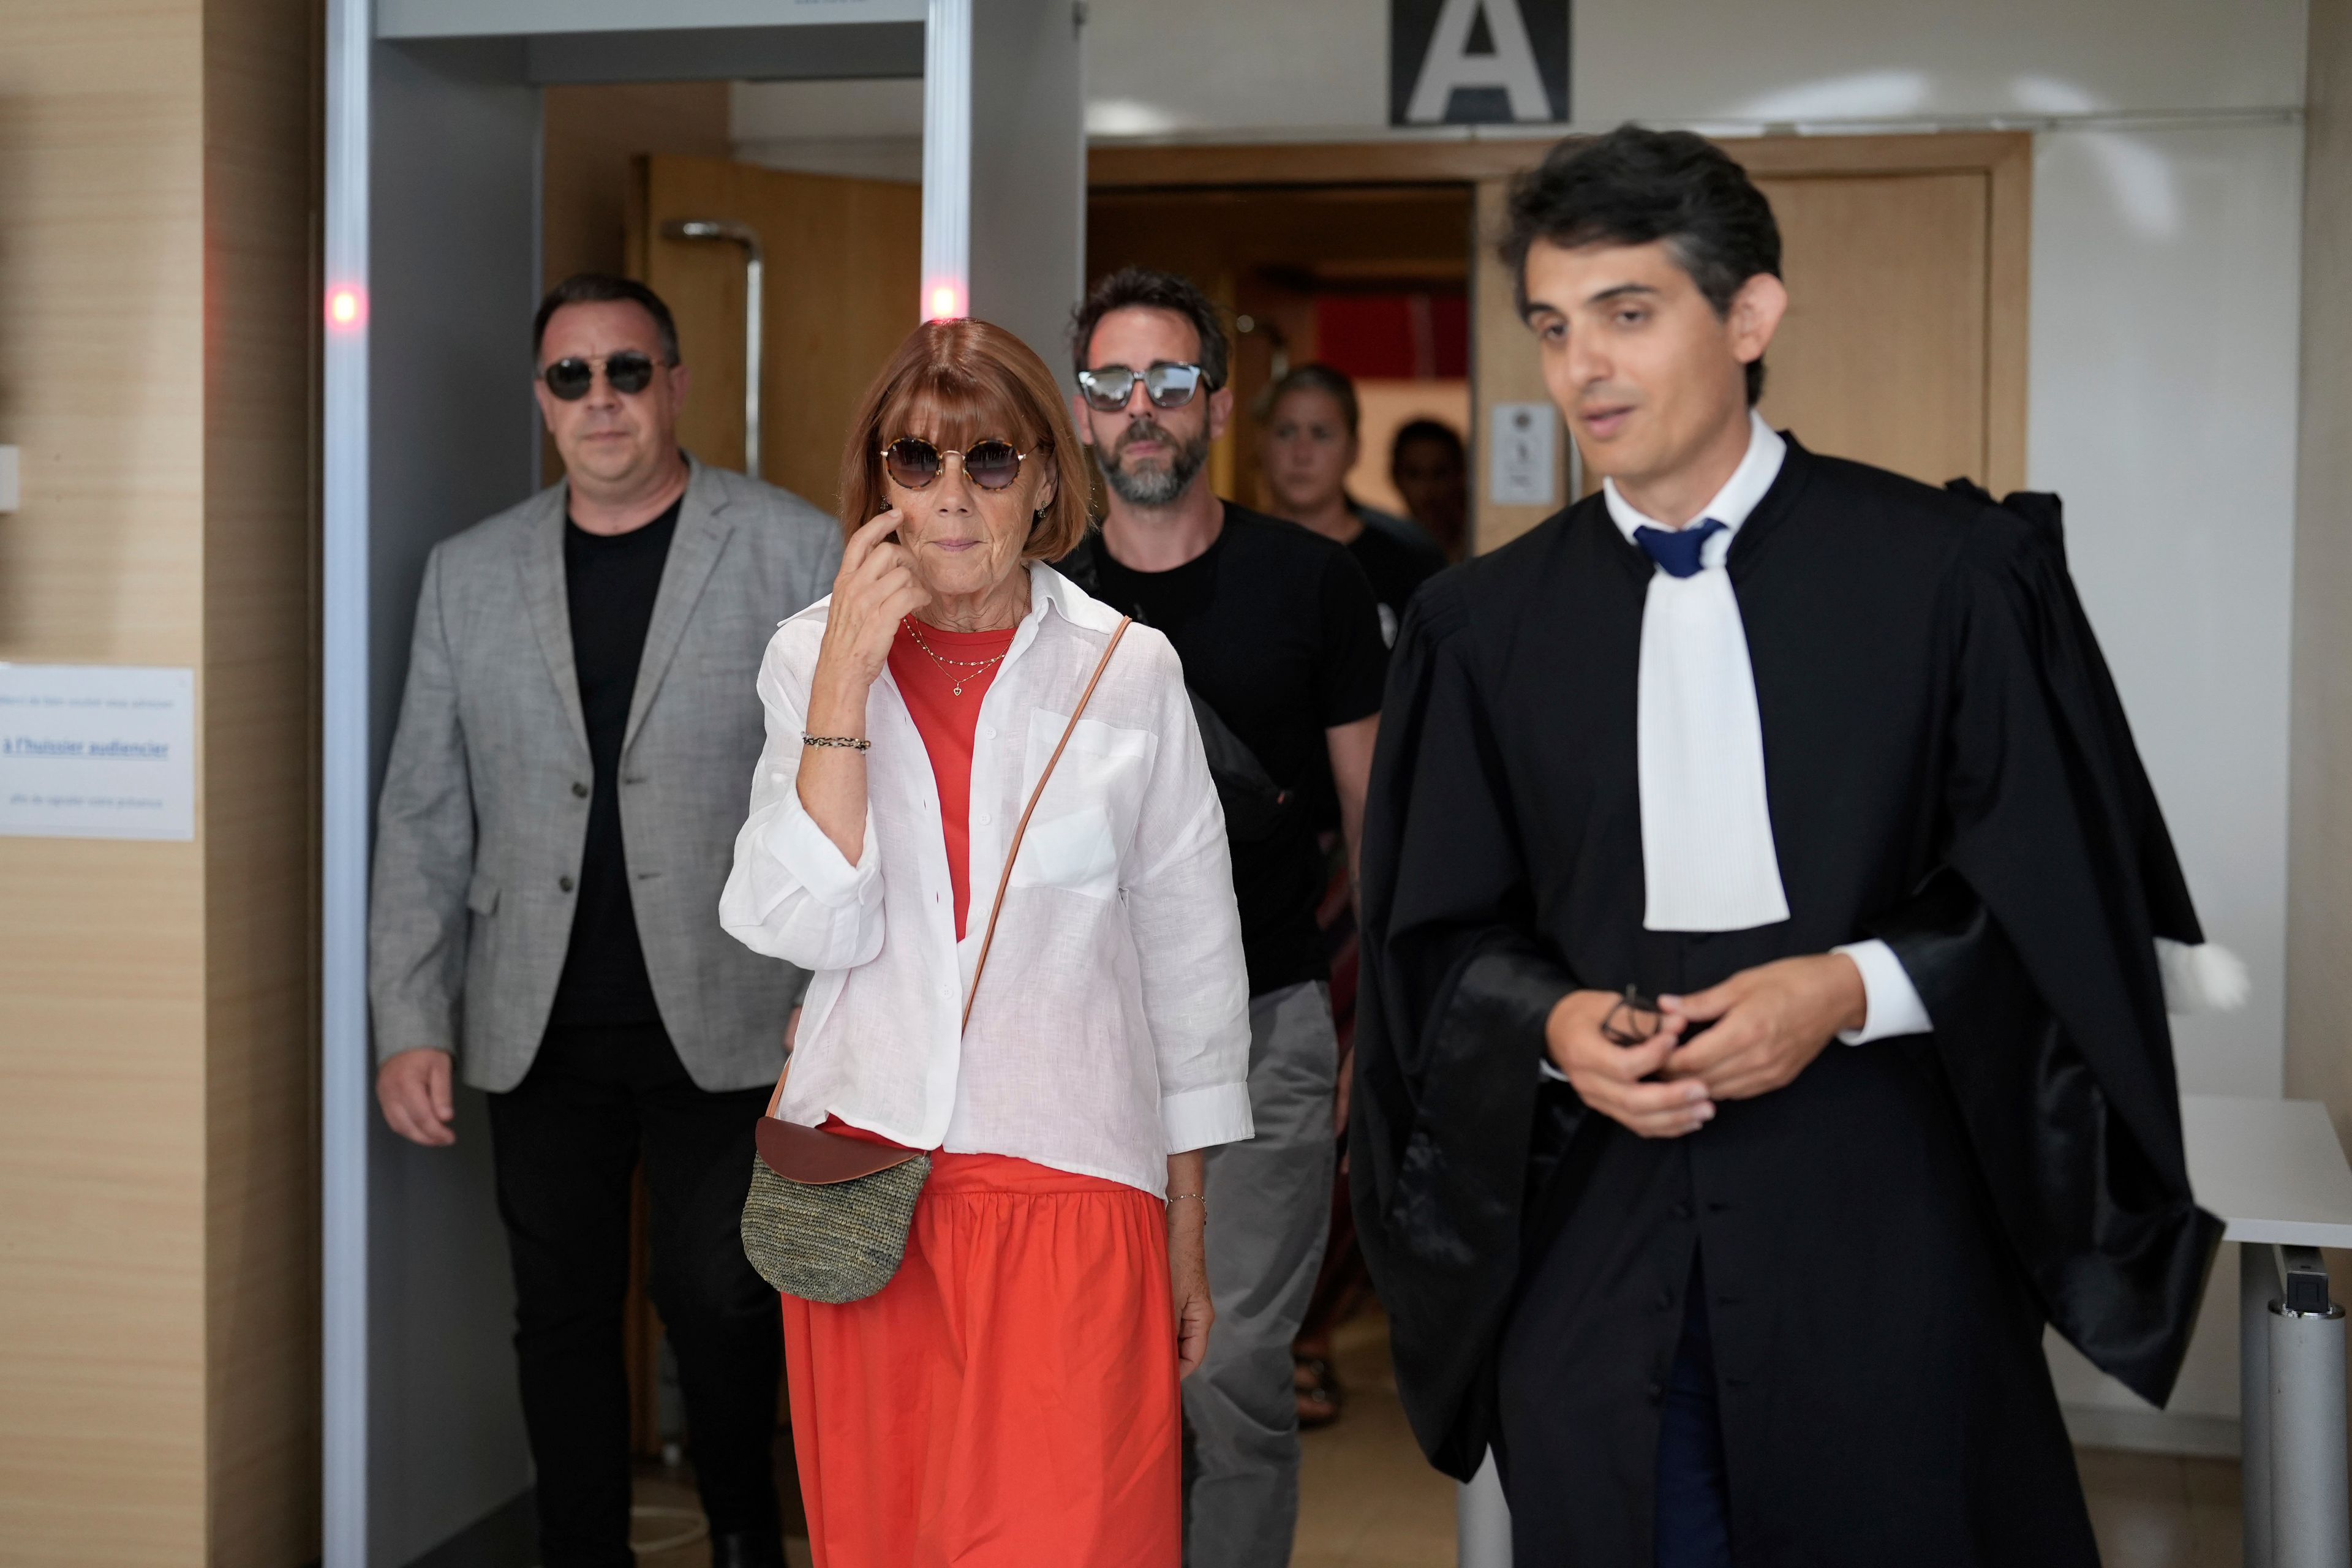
x=484 y=817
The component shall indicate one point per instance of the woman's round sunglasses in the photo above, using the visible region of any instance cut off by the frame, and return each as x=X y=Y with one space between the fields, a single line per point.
x=915 y=463
x=1168 y=384
x=570 y=379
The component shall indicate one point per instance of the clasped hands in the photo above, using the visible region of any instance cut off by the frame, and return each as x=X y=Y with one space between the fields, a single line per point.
x=1766 y=1025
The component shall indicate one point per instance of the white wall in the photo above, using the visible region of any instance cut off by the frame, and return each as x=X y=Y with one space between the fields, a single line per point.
x=869 y=129
x=1221 y=66
x=2167 y=235
x=1694 y=59
x=2167 y=270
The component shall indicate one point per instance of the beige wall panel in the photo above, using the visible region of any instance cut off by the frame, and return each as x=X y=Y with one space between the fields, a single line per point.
x=261 y=1221
x=101 y=1005
x=1882 y=356
x=101 y=349
x=101 y=1233
x=157 y=1252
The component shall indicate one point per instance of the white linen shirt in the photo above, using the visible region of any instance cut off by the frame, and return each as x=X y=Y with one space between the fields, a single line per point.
x=1112 y=1028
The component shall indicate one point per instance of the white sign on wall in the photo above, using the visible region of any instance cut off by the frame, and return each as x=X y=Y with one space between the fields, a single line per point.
x=96 y=752
x=1523 y=454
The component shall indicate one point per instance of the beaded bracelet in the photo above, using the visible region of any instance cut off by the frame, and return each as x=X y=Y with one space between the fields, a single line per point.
x=851 y=741
x=1202 y=1197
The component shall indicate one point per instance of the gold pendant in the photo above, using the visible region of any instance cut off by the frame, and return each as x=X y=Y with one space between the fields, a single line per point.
x=959 y=689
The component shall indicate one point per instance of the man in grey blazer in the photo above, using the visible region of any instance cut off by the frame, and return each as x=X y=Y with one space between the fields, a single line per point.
x=575 y=746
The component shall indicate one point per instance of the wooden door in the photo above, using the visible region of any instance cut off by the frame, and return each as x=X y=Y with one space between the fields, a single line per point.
x=844 y=263
x=1885 y=353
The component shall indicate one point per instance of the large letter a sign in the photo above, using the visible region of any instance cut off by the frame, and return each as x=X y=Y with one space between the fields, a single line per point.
x=1465 y=61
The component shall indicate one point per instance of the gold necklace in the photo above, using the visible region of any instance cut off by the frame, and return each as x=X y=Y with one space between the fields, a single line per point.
x=943 y=661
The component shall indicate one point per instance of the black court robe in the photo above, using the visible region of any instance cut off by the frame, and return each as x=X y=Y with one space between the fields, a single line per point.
x=1950 y=770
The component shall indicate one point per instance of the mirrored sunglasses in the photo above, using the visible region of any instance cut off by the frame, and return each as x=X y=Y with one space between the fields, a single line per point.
x=570 y=379
x=915 y=463
x=1169 y=386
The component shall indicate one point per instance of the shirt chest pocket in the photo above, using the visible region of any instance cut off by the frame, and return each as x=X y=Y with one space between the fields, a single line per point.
x=1087 y=817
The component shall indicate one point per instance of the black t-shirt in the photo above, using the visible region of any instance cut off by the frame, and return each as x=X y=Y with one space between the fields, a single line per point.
x=1396 y=565
x=610 y=582
x=1280 y=635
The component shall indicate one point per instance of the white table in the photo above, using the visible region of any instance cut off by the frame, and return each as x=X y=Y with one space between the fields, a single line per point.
x=2273 y=1170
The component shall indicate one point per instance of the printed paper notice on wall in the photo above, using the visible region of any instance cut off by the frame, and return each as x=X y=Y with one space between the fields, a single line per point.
x=96 y=752
x=1523 y=456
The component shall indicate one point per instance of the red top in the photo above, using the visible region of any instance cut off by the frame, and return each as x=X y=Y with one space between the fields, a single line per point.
x=946 y=719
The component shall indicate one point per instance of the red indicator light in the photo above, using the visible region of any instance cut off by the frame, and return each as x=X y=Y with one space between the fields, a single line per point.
x=944 y=301
x=344 y=307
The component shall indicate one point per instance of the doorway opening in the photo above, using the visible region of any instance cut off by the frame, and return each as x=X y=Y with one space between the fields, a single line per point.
x=1373 y=281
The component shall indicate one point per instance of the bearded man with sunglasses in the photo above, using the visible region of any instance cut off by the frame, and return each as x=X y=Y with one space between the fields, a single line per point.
x=557 y=819
x=1280 y=639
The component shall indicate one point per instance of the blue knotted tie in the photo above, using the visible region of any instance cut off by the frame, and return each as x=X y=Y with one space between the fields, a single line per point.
x=1678 y=550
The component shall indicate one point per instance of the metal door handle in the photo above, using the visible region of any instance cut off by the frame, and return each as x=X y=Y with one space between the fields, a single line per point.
x=728 y=232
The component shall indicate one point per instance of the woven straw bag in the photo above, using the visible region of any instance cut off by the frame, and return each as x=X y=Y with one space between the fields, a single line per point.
x=827 y=1218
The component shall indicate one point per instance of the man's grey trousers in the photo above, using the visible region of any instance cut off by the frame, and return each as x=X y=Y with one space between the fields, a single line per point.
x=1269 y=1215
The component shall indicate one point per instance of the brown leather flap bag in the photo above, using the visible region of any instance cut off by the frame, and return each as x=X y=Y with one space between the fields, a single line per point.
x=823 y=1159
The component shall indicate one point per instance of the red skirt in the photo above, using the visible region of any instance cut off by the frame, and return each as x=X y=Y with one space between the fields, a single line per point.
x=1009 y=1399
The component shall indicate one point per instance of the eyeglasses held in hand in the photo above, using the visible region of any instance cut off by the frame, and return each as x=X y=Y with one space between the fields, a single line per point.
x=914 y=463
x=1168 y=384
x=570 y=379
x=1632 y=1021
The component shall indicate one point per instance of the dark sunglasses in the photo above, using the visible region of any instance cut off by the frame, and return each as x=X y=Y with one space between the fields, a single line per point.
x=1169 y=386
x=915 y=463
x=570 y=379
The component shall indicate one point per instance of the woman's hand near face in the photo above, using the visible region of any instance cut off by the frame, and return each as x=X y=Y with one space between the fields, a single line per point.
x=875 y=589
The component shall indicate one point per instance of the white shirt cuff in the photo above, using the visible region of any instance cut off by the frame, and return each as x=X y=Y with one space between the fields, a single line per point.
x=1200 y=1118
x=1892 y=1005
x=816 y=862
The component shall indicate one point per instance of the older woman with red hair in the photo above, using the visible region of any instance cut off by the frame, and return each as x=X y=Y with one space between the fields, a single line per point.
x=1010 y=1396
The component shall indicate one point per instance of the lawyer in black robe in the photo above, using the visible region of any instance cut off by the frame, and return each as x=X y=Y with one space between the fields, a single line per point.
x=1948 y=769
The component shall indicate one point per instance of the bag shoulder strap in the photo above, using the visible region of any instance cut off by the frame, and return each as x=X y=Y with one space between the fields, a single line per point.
x=1004 y=879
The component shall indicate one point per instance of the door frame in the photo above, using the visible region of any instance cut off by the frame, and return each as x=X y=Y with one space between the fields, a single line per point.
x=1501 y=370
x=430 y=246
